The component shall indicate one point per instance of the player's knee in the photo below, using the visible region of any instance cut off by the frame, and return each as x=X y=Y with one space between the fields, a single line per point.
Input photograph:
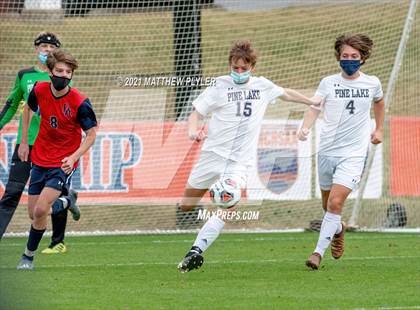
x=335 y=204
x=39 y=212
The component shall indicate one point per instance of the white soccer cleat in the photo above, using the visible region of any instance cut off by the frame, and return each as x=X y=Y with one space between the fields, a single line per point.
x=25 y=264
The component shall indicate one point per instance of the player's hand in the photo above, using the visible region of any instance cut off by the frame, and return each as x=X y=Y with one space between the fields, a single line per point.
x=377 y=136
x=68 y=163
x=303 y=134
x=198 y=136
x=23 y=151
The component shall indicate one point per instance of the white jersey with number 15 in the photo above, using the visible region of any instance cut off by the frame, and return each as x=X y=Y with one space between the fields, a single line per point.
x=237 y=114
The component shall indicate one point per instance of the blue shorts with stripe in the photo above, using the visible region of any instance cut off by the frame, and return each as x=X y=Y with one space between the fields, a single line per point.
x=54 y=178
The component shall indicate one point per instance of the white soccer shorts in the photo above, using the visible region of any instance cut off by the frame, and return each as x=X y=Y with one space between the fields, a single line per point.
x=345 y=171
x=211 y=167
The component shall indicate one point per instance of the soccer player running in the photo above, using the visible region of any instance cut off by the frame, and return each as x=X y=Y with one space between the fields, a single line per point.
x=20 y=169
x=344 y=139
x=237 y=102
x=56 y=152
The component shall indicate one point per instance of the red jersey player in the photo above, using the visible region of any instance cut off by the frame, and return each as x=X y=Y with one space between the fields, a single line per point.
x=56 y=151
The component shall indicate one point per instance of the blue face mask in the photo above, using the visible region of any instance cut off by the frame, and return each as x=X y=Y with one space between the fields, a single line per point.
x=350 y=66
x=43 y=58
x=240 y=78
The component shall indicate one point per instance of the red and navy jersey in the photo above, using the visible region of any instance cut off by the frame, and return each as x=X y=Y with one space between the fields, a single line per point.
x=62 y=121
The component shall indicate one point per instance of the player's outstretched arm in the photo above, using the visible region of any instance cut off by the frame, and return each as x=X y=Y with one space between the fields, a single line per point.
x=68 y=162
x=311 y=116
x=295 y=96
x=379 y=112
x=23 y=151
x=195 y=128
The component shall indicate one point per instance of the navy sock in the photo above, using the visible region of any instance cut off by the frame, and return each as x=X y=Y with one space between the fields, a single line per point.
x=58 y=206
x=31 y=258
x=34 y=239
x=59 y=222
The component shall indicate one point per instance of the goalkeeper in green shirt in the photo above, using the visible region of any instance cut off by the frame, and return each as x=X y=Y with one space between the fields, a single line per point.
x=20 y=167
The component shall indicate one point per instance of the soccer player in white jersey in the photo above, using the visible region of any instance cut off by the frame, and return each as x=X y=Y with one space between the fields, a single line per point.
x=344 y=139
x=237 y=103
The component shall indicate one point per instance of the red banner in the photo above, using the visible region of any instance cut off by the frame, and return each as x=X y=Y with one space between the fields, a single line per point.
x=147 y=161
x=405 y=156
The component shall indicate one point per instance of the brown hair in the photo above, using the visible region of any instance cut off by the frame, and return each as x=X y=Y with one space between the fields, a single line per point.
x=59 y=55
x=359 y=41
x=243 y=50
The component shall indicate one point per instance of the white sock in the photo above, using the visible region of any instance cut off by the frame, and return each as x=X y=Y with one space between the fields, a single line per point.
x=209 y=232
x=340 y=227
x=65 y=202
x=29 y=253
x=331 y=225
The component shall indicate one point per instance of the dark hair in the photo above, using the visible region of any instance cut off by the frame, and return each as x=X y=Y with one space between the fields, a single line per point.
x=59 y=55
x=47 y=37
x=359 y=41
x=243 y=50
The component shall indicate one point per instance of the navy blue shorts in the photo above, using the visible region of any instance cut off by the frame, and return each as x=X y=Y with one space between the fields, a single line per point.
x=54 y=178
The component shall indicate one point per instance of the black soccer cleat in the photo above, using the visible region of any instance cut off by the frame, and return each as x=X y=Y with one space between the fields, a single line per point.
x=193 y=260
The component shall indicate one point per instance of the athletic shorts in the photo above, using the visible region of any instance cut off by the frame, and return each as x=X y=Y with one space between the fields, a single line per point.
x=212 y=167
x=54 y=178
x=345 y=171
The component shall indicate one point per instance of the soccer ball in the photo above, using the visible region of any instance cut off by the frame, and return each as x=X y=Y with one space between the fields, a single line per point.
x=225 y=193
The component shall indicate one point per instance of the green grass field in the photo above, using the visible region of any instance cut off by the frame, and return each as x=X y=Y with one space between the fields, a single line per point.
x=241 y=271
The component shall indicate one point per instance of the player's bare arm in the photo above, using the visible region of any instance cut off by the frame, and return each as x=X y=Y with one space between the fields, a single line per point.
x=195 y=127
x=68 y=162
x=23 y=151
x=311 y=116
x=295 y=96
x=379 y=111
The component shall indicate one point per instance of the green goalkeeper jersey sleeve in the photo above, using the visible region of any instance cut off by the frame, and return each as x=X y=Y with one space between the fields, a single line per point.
x=24 y=82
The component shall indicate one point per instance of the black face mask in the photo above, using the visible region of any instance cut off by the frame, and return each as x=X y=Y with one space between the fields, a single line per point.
x=59 y=82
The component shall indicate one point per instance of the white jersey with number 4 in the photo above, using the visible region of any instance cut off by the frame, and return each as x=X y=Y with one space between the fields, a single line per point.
x=237 y=114
x=347 y=103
